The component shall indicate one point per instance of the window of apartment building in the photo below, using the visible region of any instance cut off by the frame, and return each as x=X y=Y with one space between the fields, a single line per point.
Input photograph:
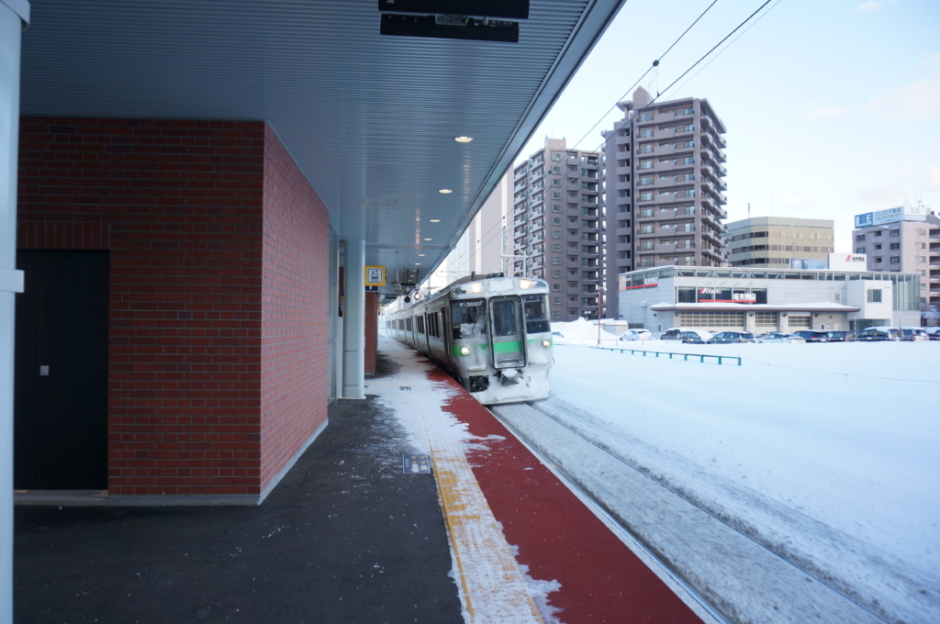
x=556 y=157
x=688 y=177
x=556 y=182
x=859 y=237
x=556 y=194
x=893 y=246
x=646 y=245
x=556 y=233
x=646 y=164
x=646 y=180
x=646 y=133
x=556 y=286
x=646 y=212
x=556 y=314
x=687 y=227
x=689 y=261
x=646 y=196
x=646 y=149
x=556 y=247
x=588 y=223
x=556 y=208
x=922 y=232
x=688 y=193
x=556 y=260
x=687 y=111
x=689 y=144
x=877 y=248
x=688 y=127
x=556 y=300
x=646 y=116
x=646 y=229
x=922 y=245
x=689 y=210
x=922 y=258
x=894 y=232
x=688 y=160
x=556 y=272
x=879 y=233
x=873 y=295
x=556 y=220
x=895 y=259
x=878 y=260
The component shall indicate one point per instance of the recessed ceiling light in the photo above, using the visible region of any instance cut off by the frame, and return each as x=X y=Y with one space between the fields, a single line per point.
x=417 y=264
x=435 y=220
x=420 y=255
x=427 y=239
x=445 y=191
x=463 y=139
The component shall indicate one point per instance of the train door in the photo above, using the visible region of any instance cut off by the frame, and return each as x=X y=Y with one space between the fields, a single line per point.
x=507 y=332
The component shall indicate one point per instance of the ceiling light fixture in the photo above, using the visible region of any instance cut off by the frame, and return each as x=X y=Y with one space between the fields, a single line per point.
x=435 y=220
x=463 y=139
x=427 y=239
x=445 y=191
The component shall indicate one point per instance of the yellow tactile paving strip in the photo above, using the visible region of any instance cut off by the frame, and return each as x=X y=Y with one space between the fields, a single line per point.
x=492 y=586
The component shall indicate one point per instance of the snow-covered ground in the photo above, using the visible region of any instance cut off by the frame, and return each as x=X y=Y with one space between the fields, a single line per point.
x=828 y=453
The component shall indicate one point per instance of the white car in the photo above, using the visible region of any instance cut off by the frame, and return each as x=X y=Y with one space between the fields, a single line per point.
x=636 y=334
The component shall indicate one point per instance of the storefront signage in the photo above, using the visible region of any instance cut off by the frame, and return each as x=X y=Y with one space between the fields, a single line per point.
x=891 y=215
x=725 y=295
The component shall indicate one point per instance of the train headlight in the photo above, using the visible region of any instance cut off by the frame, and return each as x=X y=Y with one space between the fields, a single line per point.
x=475 y=287
x=524 y=283
x=546 y=342
x=465 y=350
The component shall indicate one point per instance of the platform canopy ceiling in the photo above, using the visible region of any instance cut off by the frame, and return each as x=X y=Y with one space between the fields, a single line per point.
x=369 y=118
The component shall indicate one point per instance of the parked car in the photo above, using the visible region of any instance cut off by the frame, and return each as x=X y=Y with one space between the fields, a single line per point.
x=842 y=336
x=914 y=334
x=810 y=335
x=695 y=336
x=879 y=334
x=636 y=334
x=781 y=337
x=731 y=337
x=933 y=333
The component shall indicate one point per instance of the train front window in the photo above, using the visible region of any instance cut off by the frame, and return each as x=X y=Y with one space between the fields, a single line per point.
x=536 y=314
x=468 y=319
x=504 y=318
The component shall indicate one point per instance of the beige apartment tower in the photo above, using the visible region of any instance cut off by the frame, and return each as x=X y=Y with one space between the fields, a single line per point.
x=776 y=242
x=664 y=188
x=556 y=230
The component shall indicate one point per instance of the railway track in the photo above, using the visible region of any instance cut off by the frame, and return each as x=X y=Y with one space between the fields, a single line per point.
x=726 y=575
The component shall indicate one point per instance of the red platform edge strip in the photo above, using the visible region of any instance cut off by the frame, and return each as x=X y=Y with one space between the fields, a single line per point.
x=557 y=536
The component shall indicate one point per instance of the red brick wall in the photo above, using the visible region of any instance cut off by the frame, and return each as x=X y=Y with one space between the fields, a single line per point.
x=180 y=206
x=295 y=299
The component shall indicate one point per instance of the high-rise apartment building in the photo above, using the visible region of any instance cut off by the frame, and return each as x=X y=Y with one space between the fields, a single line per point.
x=556 y=230
x=905 y=239
x=664 y=184
x=775 y=242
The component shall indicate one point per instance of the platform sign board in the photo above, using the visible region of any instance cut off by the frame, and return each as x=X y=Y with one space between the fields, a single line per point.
x=375 y=276
x=414 y=463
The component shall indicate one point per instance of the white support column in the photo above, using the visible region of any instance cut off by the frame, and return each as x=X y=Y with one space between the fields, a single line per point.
x=354 y=323
x=13 y=14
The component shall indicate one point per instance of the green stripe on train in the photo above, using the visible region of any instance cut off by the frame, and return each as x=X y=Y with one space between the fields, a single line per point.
x=511 y=346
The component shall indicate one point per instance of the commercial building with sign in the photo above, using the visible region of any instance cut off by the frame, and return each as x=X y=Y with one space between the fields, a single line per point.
x=903 y=240
x=763 y=300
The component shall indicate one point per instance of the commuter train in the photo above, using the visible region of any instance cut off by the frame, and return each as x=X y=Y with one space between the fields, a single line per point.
x=492 y=334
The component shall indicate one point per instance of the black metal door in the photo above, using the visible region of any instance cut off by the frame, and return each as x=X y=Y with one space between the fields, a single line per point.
x=60 y=405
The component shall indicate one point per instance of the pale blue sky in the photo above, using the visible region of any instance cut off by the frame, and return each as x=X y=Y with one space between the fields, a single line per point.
x=832 y=106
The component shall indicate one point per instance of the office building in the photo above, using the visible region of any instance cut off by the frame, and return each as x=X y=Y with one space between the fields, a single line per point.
x=779 y=242
x=905 y=239
x=556 y=229
x=664 y=184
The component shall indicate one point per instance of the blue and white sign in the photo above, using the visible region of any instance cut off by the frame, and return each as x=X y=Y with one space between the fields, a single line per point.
x=891 y=215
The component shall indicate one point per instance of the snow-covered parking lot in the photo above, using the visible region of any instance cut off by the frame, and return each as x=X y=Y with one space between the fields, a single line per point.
x=829 y=452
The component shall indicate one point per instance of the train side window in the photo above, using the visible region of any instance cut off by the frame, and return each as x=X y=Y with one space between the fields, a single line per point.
x=468 y=319
x=420 y=322
x=536 y=314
